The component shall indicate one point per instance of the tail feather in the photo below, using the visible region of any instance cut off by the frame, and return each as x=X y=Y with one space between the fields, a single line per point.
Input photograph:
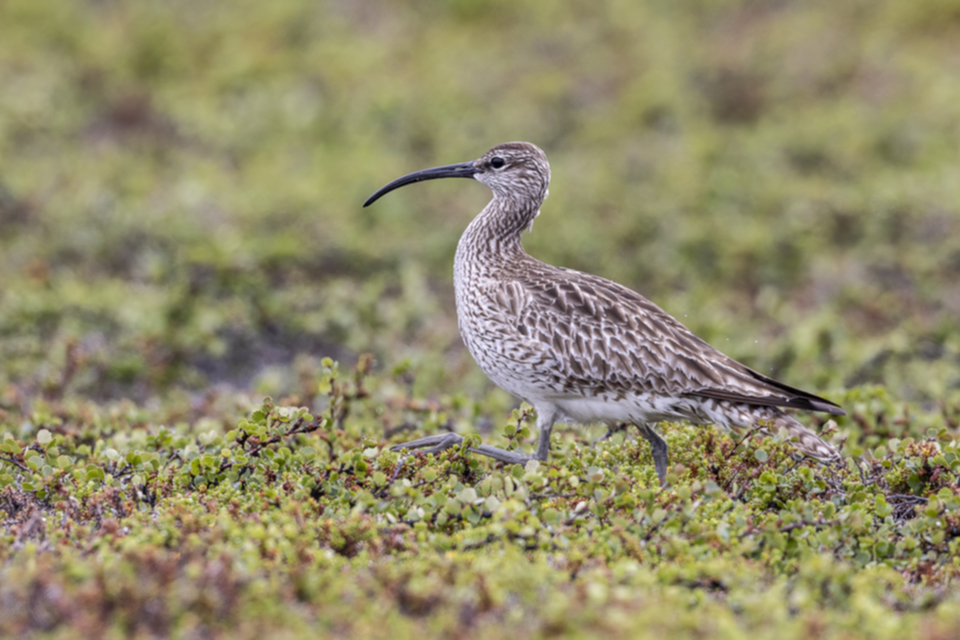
x=807 y=442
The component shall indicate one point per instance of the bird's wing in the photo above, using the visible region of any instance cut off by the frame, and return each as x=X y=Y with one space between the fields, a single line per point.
x=605 y=336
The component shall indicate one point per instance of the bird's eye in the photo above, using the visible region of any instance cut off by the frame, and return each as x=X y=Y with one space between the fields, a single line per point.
x=496 y=162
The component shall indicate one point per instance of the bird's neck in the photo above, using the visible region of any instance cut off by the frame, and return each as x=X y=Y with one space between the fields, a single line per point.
x=495 y=232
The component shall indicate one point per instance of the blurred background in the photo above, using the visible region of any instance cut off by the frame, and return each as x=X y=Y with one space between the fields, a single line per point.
x=181 y=183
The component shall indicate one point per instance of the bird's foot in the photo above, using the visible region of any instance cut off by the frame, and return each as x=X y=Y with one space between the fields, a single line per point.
x=444 y=441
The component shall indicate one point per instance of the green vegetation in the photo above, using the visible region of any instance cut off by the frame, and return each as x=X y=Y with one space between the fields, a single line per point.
x=181 y=236
x=289 y=523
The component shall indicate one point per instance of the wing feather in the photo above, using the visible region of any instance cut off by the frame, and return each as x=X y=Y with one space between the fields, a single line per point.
x=613 y=336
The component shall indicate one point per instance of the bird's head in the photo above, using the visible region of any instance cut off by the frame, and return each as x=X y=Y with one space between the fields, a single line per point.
x=516 y=171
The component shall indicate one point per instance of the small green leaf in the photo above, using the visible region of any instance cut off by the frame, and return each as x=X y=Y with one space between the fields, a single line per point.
x=452 y=506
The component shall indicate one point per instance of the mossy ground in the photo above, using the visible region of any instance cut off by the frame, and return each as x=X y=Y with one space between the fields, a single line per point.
x=181 y=235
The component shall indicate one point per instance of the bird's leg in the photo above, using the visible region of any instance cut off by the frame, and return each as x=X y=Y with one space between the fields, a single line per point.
x=543 y=445
x=658 y=447
x=443 y=441
x=437 y=443
x=546 y=416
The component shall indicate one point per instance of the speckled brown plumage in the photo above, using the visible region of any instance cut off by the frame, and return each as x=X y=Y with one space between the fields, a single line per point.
x=580 y=347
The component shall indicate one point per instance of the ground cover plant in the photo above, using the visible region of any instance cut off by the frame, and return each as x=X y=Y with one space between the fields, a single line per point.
x=207 y=345
x=287 y=522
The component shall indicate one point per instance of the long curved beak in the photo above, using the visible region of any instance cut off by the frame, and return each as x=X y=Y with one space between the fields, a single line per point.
x=462 y=170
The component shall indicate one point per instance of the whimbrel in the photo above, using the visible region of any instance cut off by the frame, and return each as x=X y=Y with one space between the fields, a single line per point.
x=581 y=348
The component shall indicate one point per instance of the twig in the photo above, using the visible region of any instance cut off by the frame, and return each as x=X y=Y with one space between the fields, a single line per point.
x=15 y=463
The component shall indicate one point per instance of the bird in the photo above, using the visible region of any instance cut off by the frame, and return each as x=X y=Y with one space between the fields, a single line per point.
x=583 y=349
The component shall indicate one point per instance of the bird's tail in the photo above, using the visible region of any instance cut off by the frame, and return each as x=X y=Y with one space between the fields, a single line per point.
x=806 y=441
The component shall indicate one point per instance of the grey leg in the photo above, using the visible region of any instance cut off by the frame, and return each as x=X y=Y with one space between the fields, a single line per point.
x=445 y=441
x=658 y=447
x=545 y=419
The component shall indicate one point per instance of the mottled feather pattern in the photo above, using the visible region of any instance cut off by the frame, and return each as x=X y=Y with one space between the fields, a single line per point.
x=558 y=338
